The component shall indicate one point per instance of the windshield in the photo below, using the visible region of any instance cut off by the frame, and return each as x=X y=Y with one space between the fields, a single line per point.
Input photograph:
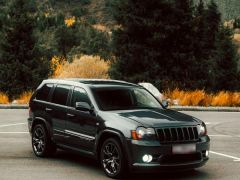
x=124 y=99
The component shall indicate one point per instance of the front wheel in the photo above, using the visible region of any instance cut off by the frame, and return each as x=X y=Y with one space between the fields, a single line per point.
x=112 y=158
x=41 y=142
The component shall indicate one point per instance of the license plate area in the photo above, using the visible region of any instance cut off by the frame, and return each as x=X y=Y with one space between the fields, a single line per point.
x=184 y=148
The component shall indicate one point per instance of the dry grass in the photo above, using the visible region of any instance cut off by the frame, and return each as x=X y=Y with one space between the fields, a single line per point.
x=3 y=98
x=24 y=98
x=101 y=27
x=201 y=98
x=236 y=37
x=85 y=67
x=226 y=99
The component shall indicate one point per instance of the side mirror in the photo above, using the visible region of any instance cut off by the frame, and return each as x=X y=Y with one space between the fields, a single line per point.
x=165 y=103
x=83 y=106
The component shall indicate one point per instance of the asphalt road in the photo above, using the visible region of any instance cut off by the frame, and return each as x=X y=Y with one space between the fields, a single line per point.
x=17 y=160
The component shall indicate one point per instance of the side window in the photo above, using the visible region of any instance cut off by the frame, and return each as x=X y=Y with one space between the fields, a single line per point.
x=60 y=94
x=43 y=93
x=79 y=95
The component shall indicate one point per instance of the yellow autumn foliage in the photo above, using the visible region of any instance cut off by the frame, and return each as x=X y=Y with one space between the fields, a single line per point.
x=3 y=98
x=24 y=98
x=57 y=65
x=70 y=21
x=201 y=98
x=84 y=67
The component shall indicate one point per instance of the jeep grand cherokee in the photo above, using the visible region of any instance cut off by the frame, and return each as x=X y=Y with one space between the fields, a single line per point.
x=120 y=124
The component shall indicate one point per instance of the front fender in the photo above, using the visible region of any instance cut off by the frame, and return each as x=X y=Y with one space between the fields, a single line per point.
x=108 y=133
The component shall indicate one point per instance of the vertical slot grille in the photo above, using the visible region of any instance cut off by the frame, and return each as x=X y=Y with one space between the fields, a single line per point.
x=183 y=134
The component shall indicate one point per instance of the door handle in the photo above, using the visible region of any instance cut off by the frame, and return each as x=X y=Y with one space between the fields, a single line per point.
x=70 y=115
x=48 y=109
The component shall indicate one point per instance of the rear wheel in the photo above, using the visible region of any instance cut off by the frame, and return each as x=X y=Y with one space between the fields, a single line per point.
x=41 y=142
x=112 y=158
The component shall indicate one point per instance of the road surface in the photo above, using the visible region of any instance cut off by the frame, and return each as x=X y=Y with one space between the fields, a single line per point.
x=17 y=160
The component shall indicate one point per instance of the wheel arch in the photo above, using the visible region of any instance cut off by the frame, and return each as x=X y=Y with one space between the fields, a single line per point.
x=40 y=120
x=111 y=134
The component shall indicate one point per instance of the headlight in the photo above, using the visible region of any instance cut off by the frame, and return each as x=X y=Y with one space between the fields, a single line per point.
x=202 y=130
x=142 y=133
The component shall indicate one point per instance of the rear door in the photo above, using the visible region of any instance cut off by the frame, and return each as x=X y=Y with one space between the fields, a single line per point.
x=58 y=111
x=40 y=103
x=81 y=127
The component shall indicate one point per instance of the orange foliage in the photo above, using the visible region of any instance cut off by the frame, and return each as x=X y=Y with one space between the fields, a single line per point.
x=24 y=98
x=85 y=67
x=70 y=21
x=3 y=98
x=201 y=98
x=57 y=64
x=192 y=98
x=226 y=99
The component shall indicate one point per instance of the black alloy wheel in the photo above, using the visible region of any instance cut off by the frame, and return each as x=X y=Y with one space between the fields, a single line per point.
x=112 y=158
x=41 y=143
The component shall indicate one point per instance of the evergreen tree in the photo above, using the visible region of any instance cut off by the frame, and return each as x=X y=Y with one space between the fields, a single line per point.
x=203 y=47
x=214 y=50
x=138 y=42
x=226 y=59
x=183 y=46
x=213 y=21
x=21 y=68
x=154 y=42
x=170 y=45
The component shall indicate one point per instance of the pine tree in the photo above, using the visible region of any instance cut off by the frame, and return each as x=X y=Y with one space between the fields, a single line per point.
x=154 y=42
x=226 y=58
x=183 y=45
x=138 y=42
x=213 y=21
x=202 y=51
x=171 y=45
x=21 y=68
x=215 y=50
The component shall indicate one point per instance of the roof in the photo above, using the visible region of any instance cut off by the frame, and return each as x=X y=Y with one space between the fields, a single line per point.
x=94 y=82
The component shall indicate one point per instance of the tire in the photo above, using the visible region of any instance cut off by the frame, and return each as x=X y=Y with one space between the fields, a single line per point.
x=41 y=142
x=112 y=159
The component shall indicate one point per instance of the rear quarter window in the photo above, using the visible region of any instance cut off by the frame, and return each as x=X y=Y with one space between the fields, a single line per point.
x=43 y=93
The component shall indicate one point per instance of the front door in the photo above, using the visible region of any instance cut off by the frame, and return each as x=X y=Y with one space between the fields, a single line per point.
x=81 y=127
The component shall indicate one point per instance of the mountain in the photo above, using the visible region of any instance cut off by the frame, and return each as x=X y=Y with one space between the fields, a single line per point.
x=230 y=9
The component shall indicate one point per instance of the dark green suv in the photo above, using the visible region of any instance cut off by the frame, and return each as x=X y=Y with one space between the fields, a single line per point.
x=120 y=124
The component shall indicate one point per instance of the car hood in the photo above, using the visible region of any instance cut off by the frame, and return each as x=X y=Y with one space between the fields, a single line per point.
x=159 y=117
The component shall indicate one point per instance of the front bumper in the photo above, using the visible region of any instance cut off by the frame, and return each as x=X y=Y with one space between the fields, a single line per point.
x=163 y=158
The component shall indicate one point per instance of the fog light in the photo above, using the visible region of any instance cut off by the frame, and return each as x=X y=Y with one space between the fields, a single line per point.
x=147 y=158
x=207 y=153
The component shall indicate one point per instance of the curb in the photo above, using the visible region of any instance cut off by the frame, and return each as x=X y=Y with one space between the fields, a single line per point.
x=176 y=108
x=210 y=109
x=14 y=106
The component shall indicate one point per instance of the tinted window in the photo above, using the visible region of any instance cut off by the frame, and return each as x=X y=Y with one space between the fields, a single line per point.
x=79 y=95
x=43 y=93
x=125 y=99
x=60 y=94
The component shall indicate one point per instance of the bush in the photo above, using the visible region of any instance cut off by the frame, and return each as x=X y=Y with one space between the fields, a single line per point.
x=201 y=98
x=191 y=98
x=3 y=98
x=24 y=98
x=85 y=67
x=226 y=99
